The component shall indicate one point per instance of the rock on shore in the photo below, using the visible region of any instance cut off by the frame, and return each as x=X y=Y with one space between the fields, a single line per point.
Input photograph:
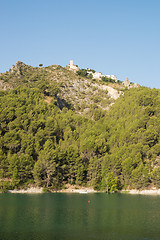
x=145 y=192
x=29 y=190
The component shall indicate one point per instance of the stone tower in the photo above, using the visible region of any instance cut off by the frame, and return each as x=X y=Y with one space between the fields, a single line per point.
x=126 y=83
x=72 y=67
x=71 y=63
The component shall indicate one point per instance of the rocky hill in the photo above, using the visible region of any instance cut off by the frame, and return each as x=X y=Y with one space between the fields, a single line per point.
x=58 y=127
x=82 y=93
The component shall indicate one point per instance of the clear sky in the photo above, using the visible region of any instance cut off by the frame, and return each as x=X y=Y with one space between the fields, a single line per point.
x=120 y=37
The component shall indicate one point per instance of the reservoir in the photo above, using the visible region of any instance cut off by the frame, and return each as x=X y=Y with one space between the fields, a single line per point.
x=67 y=216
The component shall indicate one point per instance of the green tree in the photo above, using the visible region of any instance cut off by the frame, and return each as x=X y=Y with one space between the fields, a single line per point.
x=45 y=168
x=90 y=76
x=156 y=176
x=111 y=183
x=82 y=72
x=140 y=177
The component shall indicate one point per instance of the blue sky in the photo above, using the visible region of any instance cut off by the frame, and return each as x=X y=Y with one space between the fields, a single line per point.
x=118 y=37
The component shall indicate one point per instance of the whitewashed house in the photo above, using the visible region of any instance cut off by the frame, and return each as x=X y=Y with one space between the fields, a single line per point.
x=96 y=75
x=113 y=77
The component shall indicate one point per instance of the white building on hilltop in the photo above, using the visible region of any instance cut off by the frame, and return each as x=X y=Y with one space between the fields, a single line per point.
x=97 y=75
x=73 y=67
x=113 y=77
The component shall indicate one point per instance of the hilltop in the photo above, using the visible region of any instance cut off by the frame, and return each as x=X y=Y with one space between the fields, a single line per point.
x=80 y=92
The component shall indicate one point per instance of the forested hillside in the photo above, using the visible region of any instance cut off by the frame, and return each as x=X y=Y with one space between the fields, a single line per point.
x=47 y=141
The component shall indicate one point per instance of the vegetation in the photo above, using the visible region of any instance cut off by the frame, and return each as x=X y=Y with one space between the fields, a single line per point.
x=43 y=139
x=106 y=79
x=82 y=72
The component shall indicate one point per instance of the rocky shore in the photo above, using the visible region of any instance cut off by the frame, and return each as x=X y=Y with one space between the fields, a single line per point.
x=29 y=190
x=68 y=189
x=145 y=192
x=77 y=189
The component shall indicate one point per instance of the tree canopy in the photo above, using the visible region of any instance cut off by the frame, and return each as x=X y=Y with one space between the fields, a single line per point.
x=50 y=146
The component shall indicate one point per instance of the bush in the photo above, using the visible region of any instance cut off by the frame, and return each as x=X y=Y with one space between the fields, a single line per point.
x=4 y=186
x=82 y=72
x=45 y=190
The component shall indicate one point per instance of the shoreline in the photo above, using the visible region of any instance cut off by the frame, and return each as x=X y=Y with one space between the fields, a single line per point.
x=69 y=189
x=28 y=190
x=83 y=190
x=144 y=192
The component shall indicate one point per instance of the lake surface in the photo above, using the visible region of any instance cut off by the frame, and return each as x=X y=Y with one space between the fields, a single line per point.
x=70 y=216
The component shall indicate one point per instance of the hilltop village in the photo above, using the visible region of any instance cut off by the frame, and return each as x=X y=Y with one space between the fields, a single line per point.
x=98 y=75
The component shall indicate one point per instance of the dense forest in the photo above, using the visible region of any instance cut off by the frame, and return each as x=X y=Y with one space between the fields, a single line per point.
x=47 y=145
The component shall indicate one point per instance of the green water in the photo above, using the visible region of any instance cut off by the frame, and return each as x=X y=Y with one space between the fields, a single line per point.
x=70 y=216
